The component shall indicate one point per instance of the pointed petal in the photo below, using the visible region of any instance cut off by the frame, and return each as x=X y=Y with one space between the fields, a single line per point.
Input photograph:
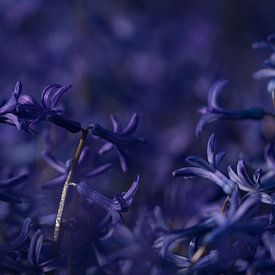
x=214 y=92
x=35 y=248
x=129 y=195
x=211 y=149
x=107 y=147
x=53 y=162
x=115 y=123
x=132 y=125
x=98 y=170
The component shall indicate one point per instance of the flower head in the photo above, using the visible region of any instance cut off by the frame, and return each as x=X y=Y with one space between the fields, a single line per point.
x=214 y=112
x=119 y=139
x=207 y=169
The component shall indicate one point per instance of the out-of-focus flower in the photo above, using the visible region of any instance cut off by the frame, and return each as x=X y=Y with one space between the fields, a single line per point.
x=118 y=139
x=214 y=112
x=83 y=172
x=6 y=192
x=114 y=206
x=268 y=70
x=207 y=169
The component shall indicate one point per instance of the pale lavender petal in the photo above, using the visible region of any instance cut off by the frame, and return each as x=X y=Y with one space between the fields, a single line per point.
x=55 y=182
x=107 y=147
x=132 y=125
x=97 y=171
x=129 y=195
x=214 y=92
x=211 y=149
x=264 y=73
x=115 y=123
x=35 y=248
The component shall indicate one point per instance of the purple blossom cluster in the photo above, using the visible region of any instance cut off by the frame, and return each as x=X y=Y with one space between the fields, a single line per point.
x=146 y=189
x=89 y=231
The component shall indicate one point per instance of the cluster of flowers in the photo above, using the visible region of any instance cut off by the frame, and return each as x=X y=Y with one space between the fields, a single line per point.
x=237 y=237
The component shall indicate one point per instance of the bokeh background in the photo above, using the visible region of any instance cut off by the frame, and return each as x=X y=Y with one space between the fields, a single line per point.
x=157 y=58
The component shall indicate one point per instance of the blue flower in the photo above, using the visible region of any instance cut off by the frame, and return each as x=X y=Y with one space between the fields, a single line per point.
x=118 y=139
x=236 y=219
x=207 y=169
x=258 y=184
x=116 y=205
x=214 y=112
x=30 y=111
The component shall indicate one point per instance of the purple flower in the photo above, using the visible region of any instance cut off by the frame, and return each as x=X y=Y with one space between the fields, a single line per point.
x=119 y=203
x=236 y=220
x=83 y=173
x=30 y=111
x=118 y=139
x=37 y=260
x=264 y=187
x=207 y=169
x=214 y=112
x=268 y=70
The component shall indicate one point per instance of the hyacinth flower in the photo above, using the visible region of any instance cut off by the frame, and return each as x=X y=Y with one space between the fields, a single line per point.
x=83 y=173
x=116 y=205
x=38 y=261
x=255 y=185
x=30 y=111
x=24 y=254
x=207 y=169
x=118 y=139
x=214 y=112
x=268 y=70
x=6 y=185
x=170 y=238
x=236 y=221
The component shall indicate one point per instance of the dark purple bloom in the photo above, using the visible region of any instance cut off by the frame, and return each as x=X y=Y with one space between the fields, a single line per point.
x=207 y=169
x=83 y=172
x=30 y=111
x=119 y=203
x=118 y=139
x=214 y=112
x=37 y=260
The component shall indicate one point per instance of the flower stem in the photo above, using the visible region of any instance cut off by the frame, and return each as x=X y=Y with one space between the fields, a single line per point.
x=69 y=179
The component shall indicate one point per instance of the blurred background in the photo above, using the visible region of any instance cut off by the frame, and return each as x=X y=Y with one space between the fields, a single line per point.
x=157 y=58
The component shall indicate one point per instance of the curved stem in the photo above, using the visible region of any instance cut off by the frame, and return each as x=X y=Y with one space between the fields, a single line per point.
x=69 y=179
